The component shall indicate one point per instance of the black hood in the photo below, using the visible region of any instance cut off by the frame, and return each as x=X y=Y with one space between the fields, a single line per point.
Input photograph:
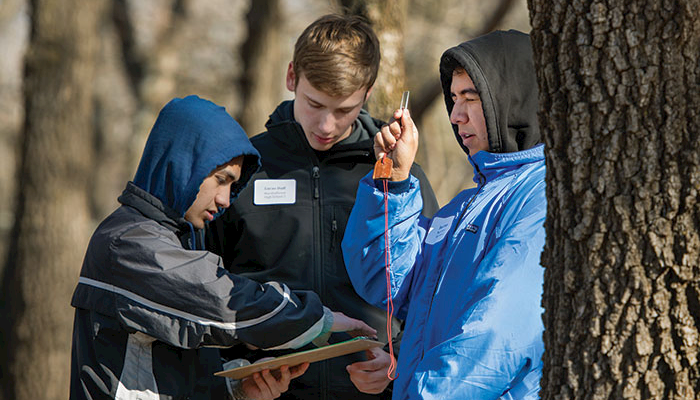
x=501 y=67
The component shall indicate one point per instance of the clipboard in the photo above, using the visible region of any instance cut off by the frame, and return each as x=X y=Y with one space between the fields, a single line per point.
x=322 y=353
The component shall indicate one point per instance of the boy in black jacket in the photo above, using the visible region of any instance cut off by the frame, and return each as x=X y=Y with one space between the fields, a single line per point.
x=314 y=152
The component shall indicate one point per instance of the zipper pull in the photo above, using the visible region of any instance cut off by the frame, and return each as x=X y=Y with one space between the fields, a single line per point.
x=315 y=174
x=334 y=229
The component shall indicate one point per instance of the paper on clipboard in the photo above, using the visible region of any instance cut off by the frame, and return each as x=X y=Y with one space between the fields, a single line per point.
x=319 y=354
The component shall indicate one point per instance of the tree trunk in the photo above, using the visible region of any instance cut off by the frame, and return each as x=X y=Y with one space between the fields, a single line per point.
x=52 y=209
x=388 y=20
x=264 y=66
x=619 y=99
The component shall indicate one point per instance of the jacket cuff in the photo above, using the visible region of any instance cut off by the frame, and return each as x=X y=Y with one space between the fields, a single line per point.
x=399 y=186
x=234 y=386
x=322 y=339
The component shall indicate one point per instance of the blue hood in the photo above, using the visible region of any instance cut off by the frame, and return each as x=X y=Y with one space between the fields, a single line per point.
x=191 y=138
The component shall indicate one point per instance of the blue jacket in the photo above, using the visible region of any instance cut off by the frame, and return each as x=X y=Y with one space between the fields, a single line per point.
x=469 y=280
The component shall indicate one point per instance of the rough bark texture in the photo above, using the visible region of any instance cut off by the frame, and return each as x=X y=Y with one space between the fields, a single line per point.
x=53 y=212
x=619 y=99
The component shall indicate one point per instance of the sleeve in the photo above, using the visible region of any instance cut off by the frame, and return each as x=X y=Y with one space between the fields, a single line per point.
x=498 y=348
x=187 y=299
x=364 y=242
x=430 y=203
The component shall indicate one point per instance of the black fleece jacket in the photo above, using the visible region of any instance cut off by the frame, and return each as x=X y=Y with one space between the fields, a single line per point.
x=299 y=244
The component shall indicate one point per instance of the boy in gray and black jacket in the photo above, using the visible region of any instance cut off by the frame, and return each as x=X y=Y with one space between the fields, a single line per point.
x=152 y=307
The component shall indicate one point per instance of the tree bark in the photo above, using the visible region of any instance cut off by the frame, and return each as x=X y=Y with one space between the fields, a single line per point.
x=619 y=99
x=387 y=19
x=52 y=209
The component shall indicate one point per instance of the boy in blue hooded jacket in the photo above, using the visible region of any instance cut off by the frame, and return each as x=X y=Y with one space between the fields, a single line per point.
x=152 y=307
x=468 y=281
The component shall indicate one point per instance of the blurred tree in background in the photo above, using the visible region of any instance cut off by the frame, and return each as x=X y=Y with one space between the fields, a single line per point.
x=388 y=18
x=80 y=87
x=52 y=209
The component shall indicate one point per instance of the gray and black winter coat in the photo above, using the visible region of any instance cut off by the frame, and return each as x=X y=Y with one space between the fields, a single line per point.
x=151 y=311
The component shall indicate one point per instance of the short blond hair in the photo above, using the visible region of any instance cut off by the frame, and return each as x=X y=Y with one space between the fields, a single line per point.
x=338 y=55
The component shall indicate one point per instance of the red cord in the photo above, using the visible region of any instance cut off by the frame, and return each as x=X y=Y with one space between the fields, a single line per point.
x=390 y=303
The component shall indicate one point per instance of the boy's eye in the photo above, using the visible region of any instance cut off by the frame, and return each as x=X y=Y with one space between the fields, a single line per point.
x=468 y=99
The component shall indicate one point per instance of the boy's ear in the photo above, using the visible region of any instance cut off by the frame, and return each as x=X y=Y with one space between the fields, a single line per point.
x=291 y=77
x=369 y=91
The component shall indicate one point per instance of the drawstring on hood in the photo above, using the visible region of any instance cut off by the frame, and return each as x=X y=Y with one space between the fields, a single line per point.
x=191 y=138
x=500 y=65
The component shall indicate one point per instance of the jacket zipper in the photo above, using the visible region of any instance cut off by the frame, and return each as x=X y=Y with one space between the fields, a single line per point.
x=317 y=226
x=316 y=174
x=318 y=239
x=334 y=231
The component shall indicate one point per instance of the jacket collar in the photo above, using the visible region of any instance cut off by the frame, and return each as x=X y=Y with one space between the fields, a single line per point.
x=285 y=129
x=151 y=207
x=492 y=165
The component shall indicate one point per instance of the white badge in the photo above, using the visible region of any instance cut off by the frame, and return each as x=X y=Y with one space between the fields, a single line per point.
x=438 y=229
x=274 y=191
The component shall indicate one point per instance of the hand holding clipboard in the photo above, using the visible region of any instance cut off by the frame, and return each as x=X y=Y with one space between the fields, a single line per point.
x=322 y=353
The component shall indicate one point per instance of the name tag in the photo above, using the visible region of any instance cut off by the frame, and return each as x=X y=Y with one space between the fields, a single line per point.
x=438 y=229
x=274 y=191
